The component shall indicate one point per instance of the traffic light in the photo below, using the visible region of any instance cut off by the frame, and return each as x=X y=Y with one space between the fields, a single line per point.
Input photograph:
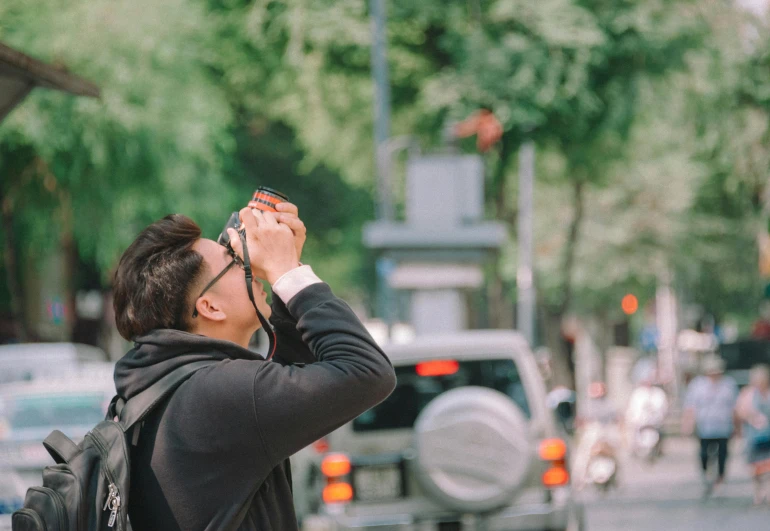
x=629 y=304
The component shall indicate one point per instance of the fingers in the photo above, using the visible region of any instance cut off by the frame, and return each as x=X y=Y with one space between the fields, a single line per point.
x=287 y=208
x=249 y=220
x=265 y=218
x=235 y=242
x=293 y=222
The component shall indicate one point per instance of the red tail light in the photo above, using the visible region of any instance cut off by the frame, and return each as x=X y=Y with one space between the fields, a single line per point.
x=437 y=368
x=556 y=476
x=335 y=465
x=338 y=492
x=552 y=450
x=555 y=452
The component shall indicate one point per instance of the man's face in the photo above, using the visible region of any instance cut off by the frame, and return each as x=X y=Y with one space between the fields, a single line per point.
x=229 y=292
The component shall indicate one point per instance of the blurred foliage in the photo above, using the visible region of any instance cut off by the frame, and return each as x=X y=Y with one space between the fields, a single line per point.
x=650 y=117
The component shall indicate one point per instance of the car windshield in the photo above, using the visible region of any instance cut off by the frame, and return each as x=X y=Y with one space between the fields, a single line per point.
x=56 y=410
x=413 y=392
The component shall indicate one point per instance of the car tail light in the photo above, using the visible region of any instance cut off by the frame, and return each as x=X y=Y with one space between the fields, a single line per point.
x=437 y=368
x=336 y=468
x=338 y=492
x=552 y=450
x=335 y=465
x=556 y=476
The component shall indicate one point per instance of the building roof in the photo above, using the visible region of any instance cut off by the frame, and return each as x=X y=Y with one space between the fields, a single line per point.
x=20 y=73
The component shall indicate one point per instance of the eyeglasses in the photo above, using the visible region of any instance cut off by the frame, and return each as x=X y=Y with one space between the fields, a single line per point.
x=236 y=261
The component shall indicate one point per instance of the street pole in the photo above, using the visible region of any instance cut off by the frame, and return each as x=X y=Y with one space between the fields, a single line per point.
x=525 y=310
x=381 y=109
x=382 y=155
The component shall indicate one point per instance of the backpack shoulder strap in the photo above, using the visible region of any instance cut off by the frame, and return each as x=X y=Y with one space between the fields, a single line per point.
x=135 y=409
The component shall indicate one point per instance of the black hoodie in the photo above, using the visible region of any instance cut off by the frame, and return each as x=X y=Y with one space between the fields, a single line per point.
x=231 y=427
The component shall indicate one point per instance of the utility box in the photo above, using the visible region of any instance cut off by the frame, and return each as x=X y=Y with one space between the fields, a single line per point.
x=436 y=254
x=444 y=191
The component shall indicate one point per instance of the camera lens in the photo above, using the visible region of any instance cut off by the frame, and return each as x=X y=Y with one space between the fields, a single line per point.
x=266 y=198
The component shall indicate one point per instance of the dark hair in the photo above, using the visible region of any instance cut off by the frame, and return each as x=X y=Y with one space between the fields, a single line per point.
x=155 y=277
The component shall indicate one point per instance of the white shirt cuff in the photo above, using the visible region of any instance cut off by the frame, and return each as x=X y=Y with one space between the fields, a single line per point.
x=294 y=281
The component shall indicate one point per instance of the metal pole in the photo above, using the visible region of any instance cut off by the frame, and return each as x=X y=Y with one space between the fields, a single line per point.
x=525 y=314
x=381 y=109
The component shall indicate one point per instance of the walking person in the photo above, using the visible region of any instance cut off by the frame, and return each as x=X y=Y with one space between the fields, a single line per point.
x=709 y=413
x=214 y=455
x=754 y=411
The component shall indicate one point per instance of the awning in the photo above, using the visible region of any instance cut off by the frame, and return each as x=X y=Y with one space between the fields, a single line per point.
x=20 y=73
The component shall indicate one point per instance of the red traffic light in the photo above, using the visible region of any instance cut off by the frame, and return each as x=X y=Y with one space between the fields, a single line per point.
x=629 y=304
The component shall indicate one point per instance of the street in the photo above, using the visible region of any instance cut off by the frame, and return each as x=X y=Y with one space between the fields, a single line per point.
x=667 y=495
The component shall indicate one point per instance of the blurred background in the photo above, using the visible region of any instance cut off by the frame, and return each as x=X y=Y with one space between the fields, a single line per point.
x=592 y=174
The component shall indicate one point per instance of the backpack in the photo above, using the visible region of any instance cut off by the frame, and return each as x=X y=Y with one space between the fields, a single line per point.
x=87 y=489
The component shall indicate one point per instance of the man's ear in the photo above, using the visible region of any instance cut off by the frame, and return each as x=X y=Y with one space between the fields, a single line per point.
x=209 y=308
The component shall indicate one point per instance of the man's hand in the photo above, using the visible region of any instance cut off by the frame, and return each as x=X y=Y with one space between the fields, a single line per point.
x=272 y=250
x=288 y=214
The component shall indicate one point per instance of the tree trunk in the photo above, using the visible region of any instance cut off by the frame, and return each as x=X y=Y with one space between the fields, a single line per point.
x=561 y=348
x=12 y=271
x=562 y=372
x=70 y=253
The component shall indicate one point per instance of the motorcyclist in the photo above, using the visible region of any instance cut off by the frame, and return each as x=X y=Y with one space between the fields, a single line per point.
x=647 y=407
x=598 y=423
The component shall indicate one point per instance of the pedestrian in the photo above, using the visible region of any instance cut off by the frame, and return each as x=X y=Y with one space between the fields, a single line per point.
x=754 y=411
x=215 y=455
x=709 y=409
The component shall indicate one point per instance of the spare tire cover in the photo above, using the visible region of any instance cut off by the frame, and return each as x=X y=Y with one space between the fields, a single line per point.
x=473 y=450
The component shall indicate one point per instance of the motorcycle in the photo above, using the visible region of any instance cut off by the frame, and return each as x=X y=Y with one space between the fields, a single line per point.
x=602 y=467
x=646 y=442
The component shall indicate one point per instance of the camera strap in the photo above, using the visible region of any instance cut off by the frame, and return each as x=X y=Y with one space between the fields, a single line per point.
x=266 y=326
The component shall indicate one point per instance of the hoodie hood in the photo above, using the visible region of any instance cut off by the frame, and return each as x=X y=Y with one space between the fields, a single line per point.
x=161 y=351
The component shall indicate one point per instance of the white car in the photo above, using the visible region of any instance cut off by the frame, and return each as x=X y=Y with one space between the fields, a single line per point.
x=29 y=411
x=464 y=442
x=30 y=361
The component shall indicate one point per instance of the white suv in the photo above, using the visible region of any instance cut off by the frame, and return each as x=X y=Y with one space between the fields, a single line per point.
x=464 y=442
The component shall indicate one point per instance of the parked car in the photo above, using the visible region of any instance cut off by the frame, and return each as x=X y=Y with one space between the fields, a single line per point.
x=29 y=361
x=465 y=440
x=29 y=411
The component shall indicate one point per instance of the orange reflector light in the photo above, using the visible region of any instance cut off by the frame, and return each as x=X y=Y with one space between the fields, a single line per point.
x=556 y=476
x=437 y=368
x=335 y=465
x=552 y=450
x=338 y=493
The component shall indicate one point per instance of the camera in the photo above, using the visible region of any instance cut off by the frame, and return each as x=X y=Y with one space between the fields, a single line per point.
x=264 y=199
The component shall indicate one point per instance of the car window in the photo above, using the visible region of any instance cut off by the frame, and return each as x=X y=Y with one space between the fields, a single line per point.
x=56 y=410
x=414 y=391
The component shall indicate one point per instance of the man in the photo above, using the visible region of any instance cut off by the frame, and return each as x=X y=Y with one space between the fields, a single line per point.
x=219 y=446
x=709 y=413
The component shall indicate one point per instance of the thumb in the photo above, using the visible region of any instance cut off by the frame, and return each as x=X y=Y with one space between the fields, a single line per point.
x=235 y=242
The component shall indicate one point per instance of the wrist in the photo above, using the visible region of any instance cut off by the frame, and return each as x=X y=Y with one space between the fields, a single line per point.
x=273 y=275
